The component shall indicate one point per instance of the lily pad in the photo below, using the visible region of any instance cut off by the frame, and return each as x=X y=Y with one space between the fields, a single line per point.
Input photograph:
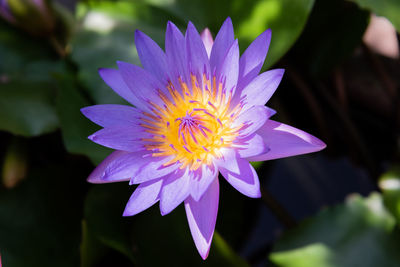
x=359 y=233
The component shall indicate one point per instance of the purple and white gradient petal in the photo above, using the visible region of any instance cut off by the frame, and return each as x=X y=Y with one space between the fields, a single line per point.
x=199 y=110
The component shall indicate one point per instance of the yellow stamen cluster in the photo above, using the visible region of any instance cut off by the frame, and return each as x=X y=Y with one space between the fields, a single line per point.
x=194 y=123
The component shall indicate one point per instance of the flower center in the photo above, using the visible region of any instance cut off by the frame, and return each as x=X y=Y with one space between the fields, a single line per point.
x=193 y=125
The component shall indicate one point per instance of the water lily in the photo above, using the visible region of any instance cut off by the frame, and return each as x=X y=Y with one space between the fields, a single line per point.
x=199 y=110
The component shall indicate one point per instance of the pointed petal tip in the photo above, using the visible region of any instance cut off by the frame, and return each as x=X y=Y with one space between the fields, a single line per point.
x=228 y=20
x=191 y=24
x=204 y=254
x=138 y=35
x=280 y=71
x=206 y=32
x=84 y=110
x=257 y=194
x=101 y=72
x=162 y=212
x=92 y=137
x=267 y=33
x=93 y=180
x=126 y=213
x=170 y=25
x=318 y=143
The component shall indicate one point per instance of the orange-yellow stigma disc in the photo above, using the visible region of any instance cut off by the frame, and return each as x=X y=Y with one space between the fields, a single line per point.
x=193 y=125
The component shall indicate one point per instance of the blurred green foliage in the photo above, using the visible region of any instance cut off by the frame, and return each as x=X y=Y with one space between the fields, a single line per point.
x=359 y=233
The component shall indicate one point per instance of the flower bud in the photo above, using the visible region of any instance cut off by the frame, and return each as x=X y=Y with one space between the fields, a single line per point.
x=33 y=16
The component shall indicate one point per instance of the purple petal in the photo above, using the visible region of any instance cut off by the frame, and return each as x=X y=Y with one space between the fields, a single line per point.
x=260 y=90
x=175 y=50
x=251 y=146
x=112 y=115
x=175 y=190
x=229 y=69
x=285 y=141
x=120 y=138
x=223 y=41
x=208 y=41
x=252 y=119
x=153 y=168
x=228 y=160
x=114 y=79
x=144 y=197
x=125 y=166
x=253 y=58
x=240 y=174
x=96 y=177
x=196 y=53
x=142 y=84
x=202 y=216
x=6 y=13
x=200 y=182
x=151 y=56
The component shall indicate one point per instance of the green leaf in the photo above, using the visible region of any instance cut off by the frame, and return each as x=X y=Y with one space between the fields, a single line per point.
x=389 y=183
x=75 y=127
x=286 y=18
x=17 y=62
x=26 y=86
x=385 y=8
x=40 y=219
x=359 y=233
x=100 y=45
x=27 y=108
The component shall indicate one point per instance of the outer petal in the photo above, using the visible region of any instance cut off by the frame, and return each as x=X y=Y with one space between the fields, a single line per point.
x=151 y=56
x=114 y=79
x=196 y=53
x=142 y=84
x=201 y=181
x=126 y=138
x=202 y=216
x=240 y=174
x=252 y=119
x=176 y=189
x=154 y=167
x=253 y=58
x=228 y=71
x=260 y=90
x=208 y=41
x=144 y=197
x=112 y=115
x=125 y=166
x=285 y=141
x=223 y=41
x=175 y=50
x=97 y=175
x=251 y=146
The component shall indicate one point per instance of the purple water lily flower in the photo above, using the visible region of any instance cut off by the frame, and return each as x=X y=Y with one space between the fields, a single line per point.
x=199 y=111
x=5 y=11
